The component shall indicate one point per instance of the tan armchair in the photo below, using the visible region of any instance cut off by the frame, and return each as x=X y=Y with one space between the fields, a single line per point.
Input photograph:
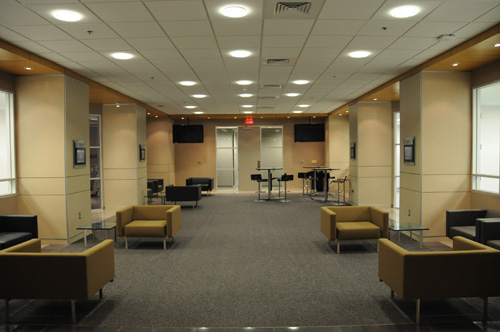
x=470 y=270
x=27 y=273
x=340 y=223
x=148 y=221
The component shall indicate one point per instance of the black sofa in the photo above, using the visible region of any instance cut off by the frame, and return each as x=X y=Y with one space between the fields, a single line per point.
x=465 y=222
x=15 y=229
x=207 y=184
x=183 y=194
x=489 y=232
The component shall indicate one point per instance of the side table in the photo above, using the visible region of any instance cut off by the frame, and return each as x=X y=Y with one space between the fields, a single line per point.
x=97 y=226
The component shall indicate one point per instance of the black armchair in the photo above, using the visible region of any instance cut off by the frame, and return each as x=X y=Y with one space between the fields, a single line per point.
x=15 y=229
x=464 y=222
x=489 y=232
x=183 y=193
x=207 y=184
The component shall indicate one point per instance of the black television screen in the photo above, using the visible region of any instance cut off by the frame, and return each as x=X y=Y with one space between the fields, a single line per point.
x=187 y=133
x=309 y=132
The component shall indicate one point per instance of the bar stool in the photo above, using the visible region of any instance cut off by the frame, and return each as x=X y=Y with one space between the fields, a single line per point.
x=303 y=176
x=340 y=182
x=284 y=178
x=259 y=179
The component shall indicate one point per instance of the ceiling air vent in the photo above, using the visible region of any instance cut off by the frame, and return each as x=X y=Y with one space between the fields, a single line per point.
x=265 y=107
x=271 y=86
x=278 y=61
x=295 y=6
x=268 y=97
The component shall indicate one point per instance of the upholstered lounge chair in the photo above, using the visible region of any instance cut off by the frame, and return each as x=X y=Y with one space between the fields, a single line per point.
x=148 y=221
x=463 y=222
x=340 y=223
x=470 y=270
x=28 y=273
x=15 y=229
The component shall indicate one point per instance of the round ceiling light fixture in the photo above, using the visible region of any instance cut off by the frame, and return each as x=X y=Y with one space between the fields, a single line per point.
x=234 y=11
x=122 y=56
x=404 y=11
x=247 y=112
x=189 y=106
x=292 y=94
x=240 y=54
x=199 y=96
x=247 y=106
x=198 y=112
x=246 y=95
x=300 y=82
x=244 y=82
x=359 y=54
x=66 y=15
x=304 y=105
x=187 y=83
x=298 y=111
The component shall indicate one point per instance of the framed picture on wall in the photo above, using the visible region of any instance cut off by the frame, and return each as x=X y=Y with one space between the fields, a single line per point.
x=409 y=150
x=353 y=150
x=79 y=153
x=142 y=152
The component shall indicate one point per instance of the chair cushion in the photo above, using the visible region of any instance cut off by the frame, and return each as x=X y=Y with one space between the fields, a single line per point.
x=146 y=228
x=468 y=232
x=9 y=239
x=494 y=244
x=357 y=230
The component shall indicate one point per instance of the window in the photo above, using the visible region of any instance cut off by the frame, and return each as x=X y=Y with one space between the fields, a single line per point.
x=7 y=158
x=486 y=163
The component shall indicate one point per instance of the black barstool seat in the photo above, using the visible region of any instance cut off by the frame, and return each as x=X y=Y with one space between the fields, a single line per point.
x=258 y=178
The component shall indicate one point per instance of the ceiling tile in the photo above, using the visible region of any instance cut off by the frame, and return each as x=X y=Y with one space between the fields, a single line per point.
x=81 y=30
x=194 y=42
x=426 y=7
x=177 y=10
x=138 y=29
x=280 y=53
x=328 y=41
x=343 y=9
x=386 y=28
x=187 y=28
x=16 y=14
x=369 y=43
x=83 y=56
x=65 y=46
x=239 y=42
x=118 y=12
x=10 y=35
x=41 y=32
x=337 y=27
x=472 y=29
x=491 y=16
x=55 y=57
x=319 y=52
x=32 y=47
x=283 y=41
x=413 y=43
x=102 y=45
x=460 y=10
x=237 y=27
x=158 y=43
x=434 y=29
x=287 y=27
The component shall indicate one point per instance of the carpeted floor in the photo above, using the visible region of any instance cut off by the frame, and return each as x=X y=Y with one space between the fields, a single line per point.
x=238 y=263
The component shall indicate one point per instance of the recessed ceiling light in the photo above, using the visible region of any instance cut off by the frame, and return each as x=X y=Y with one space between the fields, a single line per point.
x=247 y=112
x=199 y=96
x=28 y=68
x=347 y=111
x=243 y=82
x=67 y=15
x=187 y=83
x=190 y=106
x=496 y=45
x=298 y=111
x=246 y=95
x=300 y=82
x=198 y=112
x=234 y=11
x=340 y=114
x=359 y=54
x=292 y=94
x=404 y=11
x=240 y=54
x=374 y=98
x=247 y=106
x=304 y=105
x=149 y=113
x=455 y=64
x=122 y=56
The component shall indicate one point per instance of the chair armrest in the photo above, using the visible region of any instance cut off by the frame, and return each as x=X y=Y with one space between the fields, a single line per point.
x=391 y=265
x=329 y=223
x=462 y=218
x=173 y=220
x=100 y=266
x=381 y=219
x=487 y=229
x=19 y=223
x=33 y=245
x=123 y=217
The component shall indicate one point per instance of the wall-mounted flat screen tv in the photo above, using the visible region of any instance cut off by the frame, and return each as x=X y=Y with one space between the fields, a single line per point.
x=187 y=133
x=309 y=132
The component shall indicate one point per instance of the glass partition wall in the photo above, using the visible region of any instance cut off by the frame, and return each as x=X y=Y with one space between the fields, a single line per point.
x=227 y=158
x=397 y=159
x=95 y=162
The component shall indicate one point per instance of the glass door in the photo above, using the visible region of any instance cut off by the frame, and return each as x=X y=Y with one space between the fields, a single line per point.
x=271 y=151
x=95 y=162
x=227 y=158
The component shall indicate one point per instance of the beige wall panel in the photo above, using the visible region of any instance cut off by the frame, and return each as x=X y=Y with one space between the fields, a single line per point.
x=446 y=183
x=338 y=142
x=410 y=108
x=434 y=210
x=77 y=184
x=120 y=174
x=353 y=190
x=411 y=182
x=78 y=213
x=77 y=123
x=8 y=205
x=481 y=200
x=142 y=173
x=119 y=193
x=158 y=141
x=41 y=186
x=374 y=191
x=410 y=206
x=446 y=95
x=248 y=155
x=374 y=134
x=353 y=131
x=374 y=171
x=51 y=212
x=142 y=170
x=119 y=141
x=40 y=126
x=158 y=168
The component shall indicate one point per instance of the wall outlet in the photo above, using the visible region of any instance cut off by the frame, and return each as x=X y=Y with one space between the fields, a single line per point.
x=79 y=215
x=199 y=162
x=409 y=213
